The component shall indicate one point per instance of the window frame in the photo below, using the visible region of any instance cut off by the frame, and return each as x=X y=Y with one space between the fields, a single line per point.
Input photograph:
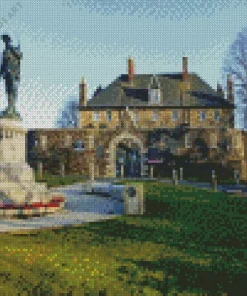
x=136 y=116
x=108 y=115
x=82 y=148
x=202 y=112
x=216 y=115
x=155 y=116
x=175 y=118
x=96 y=116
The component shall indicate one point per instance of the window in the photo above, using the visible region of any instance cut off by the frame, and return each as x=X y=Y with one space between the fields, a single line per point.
x=154 y=96
x=202 y=115
x=96 y=116
x=217 y=115
x=155 y=116
x=175 y=115
x=8 y=134
x=213 y=140
x=100 y=151
x=79 y=145
x=108 y=115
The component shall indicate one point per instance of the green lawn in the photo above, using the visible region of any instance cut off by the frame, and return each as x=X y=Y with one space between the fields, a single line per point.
x=190 y=242
x=55 y=180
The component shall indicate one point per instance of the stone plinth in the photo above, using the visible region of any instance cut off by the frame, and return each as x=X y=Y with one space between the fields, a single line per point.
x=17 y=180
x=12 y=141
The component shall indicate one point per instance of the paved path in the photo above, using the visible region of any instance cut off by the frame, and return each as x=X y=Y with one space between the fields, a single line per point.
x=79 y=208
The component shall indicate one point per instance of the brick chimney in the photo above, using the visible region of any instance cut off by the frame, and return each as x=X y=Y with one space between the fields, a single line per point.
x=131 y=69
x=83 y=93
x=185 y=69
x=230 y=97
x=220 y=91
x=184 y=87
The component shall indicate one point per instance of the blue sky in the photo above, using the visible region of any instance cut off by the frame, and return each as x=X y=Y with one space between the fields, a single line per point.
x=63 y=40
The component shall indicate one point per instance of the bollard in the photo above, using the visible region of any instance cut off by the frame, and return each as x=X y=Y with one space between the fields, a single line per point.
x=151 y=171
x=134 y=200
x=236 y=176
x=175 y=177
x=62 y=169
x=214 y=183
x=181 y=174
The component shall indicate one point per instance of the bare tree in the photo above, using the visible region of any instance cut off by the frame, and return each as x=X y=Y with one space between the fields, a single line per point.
x=69 y=114
x=235 y=63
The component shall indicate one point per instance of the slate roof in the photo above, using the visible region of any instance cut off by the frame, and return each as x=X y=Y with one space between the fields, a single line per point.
x=121 y=93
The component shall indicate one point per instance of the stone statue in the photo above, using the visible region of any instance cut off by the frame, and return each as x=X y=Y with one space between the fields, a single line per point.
x=10 y=71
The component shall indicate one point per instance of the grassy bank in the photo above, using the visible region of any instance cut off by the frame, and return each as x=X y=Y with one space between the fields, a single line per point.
x=56 y=180
x=190 y=242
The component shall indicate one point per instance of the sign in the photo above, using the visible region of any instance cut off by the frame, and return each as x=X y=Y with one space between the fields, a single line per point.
x=155 y=161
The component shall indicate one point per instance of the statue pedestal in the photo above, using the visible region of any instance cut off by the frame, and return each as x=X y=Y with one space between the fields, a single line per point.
x=17 y=181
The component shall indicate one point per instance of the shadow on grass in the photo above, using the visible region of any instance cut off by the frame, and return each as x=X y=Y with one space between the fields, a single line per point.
x=185 y=276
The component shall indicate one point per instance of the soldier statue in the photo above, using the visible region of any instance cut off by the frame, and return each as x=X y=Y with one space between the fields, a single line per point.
x=10 y=71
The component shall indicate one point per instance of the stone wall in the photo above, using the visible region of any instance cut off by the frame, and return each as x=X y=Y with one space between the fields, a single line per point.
x=225 y=146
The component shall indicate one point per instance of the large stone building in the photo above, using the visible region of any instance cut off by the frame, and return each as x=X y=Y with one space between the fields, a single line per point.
x=144 y=124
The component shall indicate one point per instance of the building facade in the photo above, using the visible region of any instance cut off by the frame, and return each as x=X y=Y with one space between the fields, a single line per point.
x=144 y=124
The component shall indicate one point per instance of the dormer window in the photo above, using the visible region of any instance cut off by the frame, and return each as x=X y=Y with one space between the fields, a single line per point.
x=154 y=91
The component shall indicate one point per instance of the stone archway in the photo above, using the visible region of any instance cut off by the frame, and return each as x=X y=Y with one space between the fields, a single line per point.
x=123 y=137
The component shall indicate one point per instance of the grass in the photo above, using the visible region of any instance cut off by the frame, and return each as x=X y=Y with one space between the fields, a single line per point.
x=55 y=180
x=190 y=242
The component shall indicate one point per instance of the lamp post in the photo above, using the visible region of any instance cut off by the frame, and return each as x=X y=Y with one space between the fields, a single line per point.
x=121 y=161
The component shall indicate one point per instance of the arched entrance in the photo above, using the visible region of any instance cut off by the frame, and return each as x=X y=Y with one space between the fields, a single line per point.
x=128 y=160
x=128 y=149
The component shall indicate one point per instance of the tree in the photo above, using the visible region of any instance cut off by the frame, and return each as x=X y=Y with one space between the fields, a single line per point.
x=235 y=63
x=69 y=114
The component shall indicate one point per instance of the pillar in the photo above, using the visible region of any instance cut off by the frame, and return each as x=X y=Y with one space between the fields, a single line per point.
x=91 y=170
x=40 y=169
x=122 y=170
